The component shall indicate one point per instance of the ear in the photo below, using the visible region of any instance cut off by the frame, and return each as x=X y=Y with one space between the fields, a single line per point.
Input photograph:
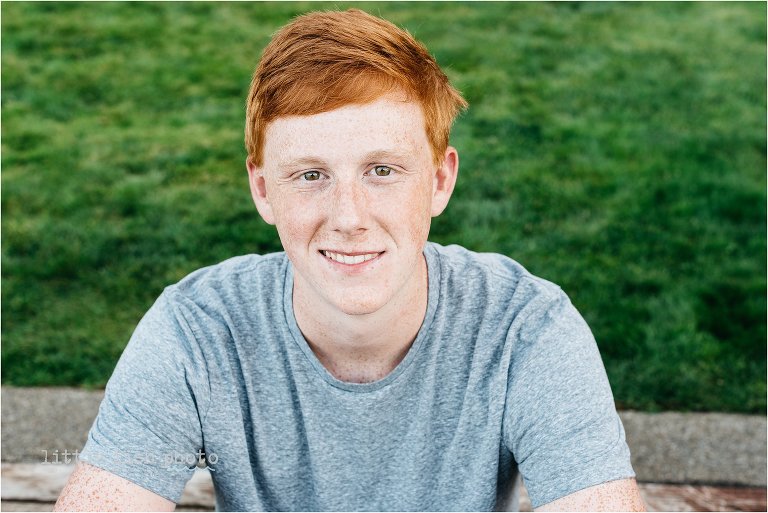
x=444 y=180
x=259 y=191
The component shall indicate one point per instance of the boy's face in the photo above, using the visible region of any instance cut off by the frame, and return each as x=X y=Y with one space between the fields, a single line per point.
x=352 y=192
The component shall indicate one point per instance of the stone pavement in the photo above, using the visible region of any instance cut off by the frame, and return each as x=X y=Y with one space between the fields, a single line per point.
x=684 y=462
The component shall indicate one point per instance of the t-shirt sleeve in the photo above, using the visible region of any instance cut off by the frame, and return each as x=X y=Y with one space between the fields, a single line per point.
x=560 y=420
x=148 y=429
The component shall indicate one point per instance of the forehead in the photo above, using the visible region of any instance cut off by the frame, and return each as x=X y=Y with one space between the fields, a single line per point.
x=391 y=123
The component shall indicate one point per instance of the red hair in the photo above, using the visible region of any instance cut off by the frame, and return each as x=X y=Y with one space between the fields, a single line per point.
x=325 y=60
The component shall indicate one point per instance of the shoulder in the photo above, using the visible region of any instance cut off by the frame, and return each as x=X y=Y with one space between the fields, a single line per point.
x=210 y=299
x=212 y=306
x=491 y=276
x=246 y=274
x=224 y=295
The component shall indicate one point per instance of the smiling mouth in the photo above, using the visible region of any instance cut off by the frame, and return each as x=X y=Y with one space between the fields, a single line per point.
x=347 y=259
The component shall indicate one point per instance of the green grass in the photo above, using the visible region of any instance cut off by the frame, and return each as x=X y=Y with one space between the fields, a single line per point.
x=618 y=150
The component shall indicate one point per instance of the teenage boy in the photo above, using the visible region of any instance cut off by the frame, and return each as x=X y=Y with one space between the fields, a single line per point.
x=363 y=368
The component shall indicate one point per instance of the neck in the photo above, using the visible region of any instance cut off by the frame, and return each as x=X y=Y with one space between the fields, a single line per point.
x=364 y=348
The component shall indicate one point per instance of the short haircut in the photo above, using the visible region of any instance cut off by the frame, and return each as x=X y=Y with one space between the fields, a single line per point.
x=322 y=61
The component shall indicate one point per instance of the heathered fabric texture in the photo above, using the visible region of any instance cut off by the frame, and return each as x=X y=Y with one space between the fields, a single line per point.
x=503 y=375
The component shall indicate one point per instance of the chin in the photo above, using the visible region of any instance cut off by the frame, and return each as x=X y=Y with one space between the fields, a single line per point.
x=360 y=306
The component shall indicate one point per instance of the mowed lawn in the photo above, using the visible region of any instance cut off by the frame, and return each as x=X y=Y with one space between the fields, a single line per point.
x=618 y=150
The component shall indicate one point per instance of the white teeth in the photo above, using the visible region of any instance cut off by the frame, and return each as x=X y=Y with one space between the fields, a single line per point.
x=349 y=259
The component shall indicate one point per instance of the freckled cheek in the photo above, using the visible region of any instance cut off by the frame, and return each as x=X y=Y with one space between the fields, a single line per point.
x=297 y=223
x=418 y=216
x=418 y=232
x=399 y=212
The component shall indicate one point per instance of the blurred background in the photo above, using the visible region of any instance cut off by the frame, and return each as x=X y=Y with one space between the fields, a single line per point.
x=618 y=150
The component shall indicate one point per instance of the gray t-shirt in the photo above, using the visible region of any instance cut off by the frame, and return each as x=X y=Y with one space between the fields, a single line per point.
x=503 y=375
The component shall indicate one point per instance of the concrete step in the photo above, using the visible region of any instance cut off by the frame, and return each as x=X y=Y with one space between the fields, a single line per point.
x=700 y=448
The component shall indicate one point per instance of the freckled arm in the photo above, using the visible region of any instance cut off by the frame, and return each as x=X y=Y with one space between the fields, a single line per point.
x=92 y=489
x=620 y=495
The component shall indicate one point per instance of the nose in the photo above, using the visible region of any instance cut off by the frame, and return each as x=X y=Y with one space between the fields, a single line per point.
x=348 y=212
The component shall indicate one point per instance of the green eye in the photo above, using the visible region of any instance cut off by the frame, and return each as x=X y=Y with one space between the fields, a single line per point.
x=382 y=170
x=311 y=176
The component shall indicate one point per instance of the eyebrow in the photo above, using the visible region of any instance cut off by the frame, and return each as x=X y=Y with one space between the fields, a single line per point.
x=386 y=155
x=373 y=156
x=302 y=162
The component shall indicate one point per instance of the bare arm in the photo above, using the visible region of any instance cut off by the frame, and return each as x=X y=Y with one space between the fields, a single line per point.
x=621 y=495
x=92 y=489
